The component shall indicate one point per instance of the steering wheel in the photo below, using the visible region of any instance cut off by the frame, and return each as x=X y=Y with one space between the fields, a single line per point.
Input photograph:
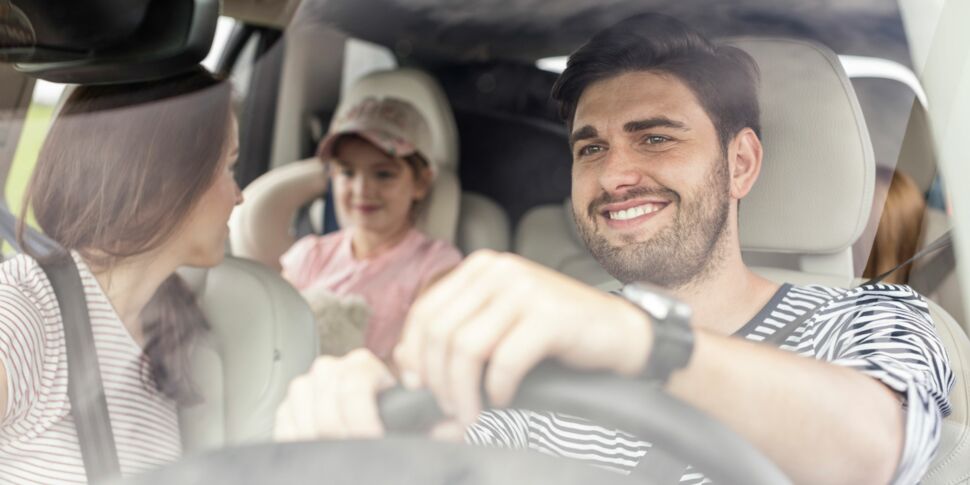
x=634 y=406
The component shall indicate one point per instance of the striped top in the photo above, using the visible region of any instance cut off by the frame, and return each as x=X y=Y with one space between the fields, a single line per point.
x=883 y=331
x=38 y=440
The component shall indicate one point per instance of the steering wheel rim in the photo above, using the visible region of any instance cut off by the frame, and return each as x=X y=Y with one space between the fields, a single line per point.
x=396 y=459
x=618 y=402
x=605 y=399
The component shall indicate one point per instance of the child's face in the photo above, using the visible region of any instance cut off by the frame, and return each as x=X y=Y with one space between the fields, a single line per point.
x=374 y=191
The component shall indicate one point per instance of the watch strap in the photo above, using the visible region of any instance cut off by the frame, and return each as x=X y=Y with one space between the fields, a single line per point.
x=673 y=337
x=673 y=344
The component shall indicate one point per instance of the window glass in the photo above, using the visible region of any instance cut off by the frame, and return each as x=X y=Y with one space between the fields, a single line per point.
x=39 y=115
x=362 y=58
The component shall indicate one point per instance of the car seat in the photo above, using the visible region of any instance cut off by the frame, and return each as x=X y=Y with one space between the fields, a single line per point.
x=810 y=203
x=260 y=228
x=262 y=336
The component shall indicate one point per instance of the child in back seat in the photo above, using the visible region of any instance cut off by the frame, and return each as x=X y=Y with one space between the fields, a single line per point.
x=380 y=172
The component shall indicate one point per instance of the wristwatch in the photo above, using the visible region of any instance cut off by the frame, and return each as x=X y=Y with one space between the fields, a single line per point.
x=673 y=337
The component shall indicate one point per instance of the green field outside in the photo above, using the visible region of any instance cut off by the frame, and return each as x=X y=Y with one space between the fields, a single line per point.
x=31 y=138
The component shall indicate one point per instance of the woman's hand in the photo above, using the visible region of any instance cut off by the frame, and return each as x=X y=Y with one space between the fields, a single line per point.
x=337 y=399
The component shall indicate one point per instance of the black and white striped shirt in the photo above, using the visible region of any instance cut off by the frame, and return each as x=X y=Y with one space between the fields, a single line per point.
x=38 y=439
x=883 y=331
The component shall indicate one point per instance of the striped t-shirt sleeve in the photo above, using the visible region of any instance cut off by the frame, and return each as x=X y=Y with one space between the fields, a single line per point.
x=500 y=428
x=22 y=344
x=890 y=336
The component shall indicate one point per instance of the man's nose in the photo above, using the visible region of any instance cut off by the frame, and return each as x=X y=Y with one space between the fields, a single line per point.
x=620 y=170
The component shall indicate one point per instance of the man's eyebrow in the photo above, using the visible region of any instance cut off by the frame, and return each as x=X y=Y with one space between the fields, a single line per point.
x=583 y=133
x=657 y=121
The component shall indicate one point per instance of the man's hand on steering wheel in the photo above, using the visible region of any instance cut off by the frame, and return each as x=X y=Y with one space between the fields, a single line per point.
x=510 y=313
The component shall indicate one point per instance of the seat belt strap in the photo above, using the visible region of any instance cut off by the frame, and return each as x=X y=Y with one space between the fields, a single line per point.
x=931 y=274
x=942 y=242
x=89 y=408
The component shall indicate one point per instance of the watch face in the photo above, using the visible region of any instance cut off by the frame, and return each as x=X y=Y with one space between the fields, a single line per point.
x=656 y=302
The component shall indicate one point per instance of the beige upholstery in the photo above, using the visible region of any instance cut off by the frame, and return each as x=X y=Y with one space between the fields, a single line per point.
x=260 y=227
x=262 y=336
x=483 y=224
x=818 y=158
x=952 y=463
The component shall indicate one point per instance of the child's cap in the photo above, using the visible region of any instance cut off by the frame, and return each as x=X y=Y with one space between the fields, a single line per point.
x=391 y=124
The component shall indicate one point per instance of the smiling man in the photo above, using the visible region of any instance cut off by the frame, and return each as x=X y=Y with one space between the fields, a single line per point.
x=833 y=385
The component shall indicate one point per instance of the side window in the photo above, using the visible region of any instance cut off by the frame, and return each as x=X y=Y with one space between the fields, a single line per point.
x=39 y=115
x=362 y=58
x=44 y=102
x=893 y=103
x=909 y=201
x=223 y=30
x=242 y=68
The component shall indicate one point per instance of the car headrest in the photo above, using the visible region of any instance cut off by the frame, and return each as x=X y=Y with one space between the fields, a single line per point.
x=815 y=190
x=421 y=90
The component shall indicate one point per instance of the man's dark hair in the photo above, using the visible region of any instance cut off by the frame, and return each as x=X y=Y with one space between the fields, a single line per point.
x=722 y=77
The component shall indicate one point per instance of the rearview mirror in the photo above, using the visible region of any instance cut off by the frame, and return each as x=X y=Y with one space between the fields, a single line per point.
x=106 y=41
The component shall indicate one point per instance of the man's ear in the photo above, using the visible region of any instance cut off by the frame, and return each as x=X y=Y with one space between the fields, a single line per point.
x=744 y=162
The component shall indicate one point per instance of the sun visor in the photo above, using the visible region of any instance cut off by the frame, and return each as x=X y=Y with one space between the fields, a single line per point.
x=105 y=41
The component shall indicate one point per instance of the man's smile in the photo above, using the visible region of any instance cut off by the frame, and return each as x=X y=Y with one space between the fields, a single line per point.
x=632 y=213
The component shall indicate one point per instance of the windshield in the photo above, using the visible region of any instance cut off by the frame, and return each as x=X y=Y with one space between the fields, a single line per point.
x=772 y=173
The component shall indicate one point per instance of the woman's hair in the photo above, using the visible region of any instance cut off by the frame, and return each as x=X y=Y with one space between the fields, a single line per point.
x=120 y=170
x=898 y=234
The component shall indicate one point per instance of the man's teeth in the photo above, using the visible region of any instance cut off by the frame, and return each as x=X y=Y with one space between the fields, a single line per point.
x=633 y=212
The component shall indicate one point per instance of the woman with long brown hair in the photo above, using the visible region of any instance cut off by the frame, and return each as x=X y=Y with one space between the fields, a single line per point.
x=134 y=181
x=897 y=237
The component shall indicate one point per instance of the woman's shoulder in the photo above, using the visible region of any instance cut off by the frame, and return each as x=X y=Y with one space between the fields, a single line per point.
x=25 y=298
x=21 y=277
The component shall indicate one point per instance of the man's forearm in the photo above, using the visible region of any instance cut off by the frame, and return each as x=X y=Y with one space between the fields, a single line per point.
x=819 y=422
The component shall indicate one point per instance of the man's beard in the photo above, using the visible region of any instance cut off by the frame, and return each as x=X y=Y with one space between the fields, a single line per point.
x=680 y=255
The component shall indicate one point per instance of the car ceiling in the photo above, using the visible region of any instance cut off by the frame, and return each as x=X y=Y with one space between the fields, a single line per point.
x=524 y=30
